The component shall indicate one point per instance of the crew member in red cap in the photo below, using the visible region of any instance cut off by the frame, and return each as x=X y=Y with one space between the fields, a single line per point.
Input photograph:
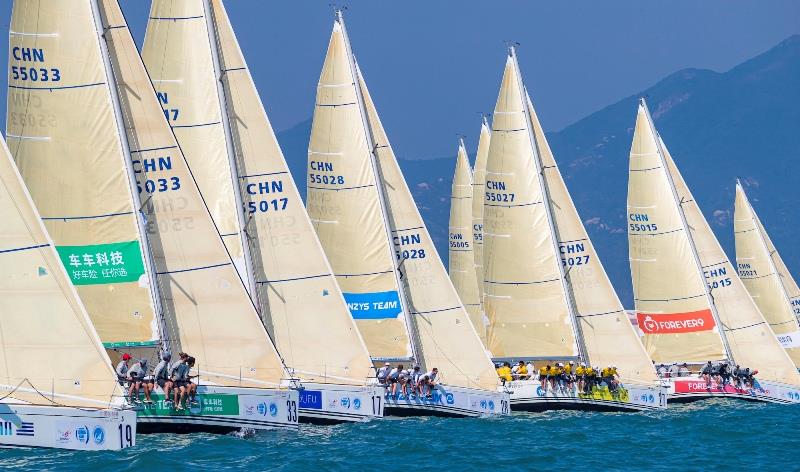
x=122 y=369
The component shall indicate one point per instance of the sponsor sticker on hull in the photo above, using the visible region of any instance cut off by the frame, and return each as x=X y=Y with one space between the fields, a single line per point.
x=673 y=323
x=700 y=386
x=216 y=404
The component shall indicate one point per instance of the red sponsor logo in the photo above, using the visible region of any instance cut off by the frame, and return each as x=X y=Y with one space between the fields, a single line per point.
x=670 y=323
x=700 y=386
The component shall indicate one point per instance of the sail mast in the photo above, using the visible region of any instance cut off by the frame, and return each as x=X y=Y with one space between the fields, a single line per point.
x=141 y=225
x=548 y=211
x=685 y=224
x=250 y=283
x=413 y=338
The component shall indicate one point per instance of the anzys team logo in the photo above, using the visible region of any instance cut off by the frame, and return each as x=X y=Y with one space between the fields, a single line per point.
x=672 y=323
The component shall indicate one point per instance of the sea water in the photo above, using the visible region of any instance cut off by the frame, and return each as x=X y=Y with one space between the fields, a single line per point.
x=709 y=435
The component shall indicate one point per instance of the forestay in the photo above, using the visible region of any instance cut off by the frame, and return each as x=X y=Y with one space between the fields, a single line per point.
x=63 y=135
x=208 y=310
x=608 y=336
x=525 y=297
x=446 y=337
x=299 y=299
x=177 y=53
x=672 y=303
x=765 y=275
x=345 y=208
x=461 y=265
x=478 y=186
x=49 y=350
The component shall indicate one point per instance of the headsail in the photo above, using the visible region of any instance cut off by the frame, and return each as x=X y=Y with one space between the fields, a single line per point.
x=63 y=135
x=765 y=275
x=478 y=186
x=300 y=301
x=445 y=336
x=345 y=208
x=608 y=336
x=177 y=53
x=41 y=317
x=525 y=299
x=462 y=244
x=672 y=302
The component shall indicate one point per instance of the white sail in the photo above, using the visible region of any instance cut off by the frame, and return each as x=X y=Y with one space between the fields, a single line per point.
x=758 y=264
x=525 y=299
x=345 y=208
x=299 y=298
x=608 y=336
x=751 y=341
x=478 y=185
x=672 y=302
x=445 y=336
x=461 y=265
x=208 y=310
x=63 y=136
x=49 y=351
x=177 y=53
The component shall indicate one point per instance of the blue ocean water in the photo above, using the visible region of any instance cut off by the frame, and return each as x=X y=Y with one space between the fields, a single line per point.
x=710 y=435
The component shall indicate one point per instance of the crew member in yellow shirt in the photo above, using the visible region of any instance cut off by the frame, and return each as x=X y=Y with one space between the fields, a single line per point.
x=504 y=372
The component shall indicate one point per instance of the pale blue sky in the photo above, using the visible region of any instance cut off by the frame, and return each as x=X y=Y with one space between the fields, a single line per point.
x=431 y=66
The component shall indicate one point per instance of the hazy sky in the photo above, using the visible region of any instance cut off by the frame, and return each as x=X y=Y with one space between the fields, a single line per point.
x=432 y=66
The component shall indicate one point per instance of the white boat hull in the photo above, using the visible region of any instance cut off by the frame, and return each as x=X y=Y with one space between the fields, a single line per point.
x=221 y=410
x=689 y=389
x=66 y=428
x=450 y=401
x=330 y=403
x=527 y=395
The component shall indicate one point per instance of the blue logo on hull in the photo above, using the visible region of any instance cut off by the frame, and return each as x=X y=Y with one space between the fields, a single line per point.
x=311 y=399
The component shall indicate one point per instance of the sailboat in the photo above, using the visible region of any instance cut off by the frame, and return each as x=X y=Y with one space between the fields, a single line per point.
x=221 y=125
x=128 y=220
x=691 y=305
x=547 y=296
x=765 y=276
x=46 y=403
x=461 y=267
x=478 y=186
x=384 y=260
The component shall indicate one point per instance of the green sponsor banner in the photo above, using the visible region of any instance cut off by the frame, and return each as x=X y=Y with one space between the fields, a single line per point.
x=210 y=404
x=121 y=344
x=97 y=264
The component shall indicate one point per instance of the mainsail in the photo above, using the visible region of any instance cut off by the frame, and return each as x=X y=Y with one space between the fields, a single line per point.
x=49 y=350
x=478 y=185
x=765 y=275
x=63 y=135
x=345 y=207
x=461 y=243
x=608 y=336
x=526 y=298
x=299 y=299
x=177 y=53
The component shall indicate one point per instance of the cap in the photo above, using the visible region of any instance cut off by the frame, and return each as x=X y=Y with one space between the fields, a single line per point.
x=166 y=355
x=126 y=357
x=571 y=363
x=387 y=364
x=583 y=364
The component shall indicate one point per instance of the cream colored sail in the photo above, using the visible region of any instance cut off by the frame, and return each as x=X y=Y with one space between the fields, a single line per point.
x=301 y=303
x=757 y=263
x=608 y=336
x=478 y=185
x=672 y=303
x=208 y=311
x=47 y=342
x=524 y=299
x=177 y=53
x=751 y=341
x=445 y=336
x=461 y=243
x=63 y=136
x=345 y=208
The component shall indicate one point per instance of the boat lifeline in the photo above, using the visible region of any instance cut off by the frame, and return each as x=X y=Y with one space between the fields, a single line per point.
x=691 y=305
x=384 y=260
x=220 y=122
x=547 y=296
x=69 y=405
x=765 y=276
x=128 y=221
